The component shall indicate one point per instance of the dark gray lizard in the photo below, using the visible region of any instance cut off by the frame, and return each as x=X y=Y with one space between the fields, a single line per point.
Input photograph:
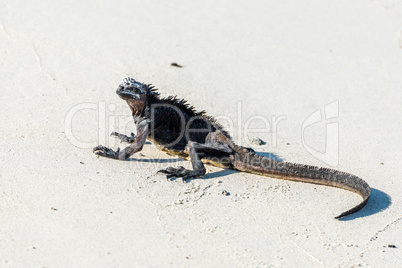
x=175 y=127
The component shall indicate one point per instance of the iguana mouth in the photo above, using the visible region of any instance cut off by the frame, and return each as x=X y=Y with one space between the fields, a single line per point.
x=128 y=93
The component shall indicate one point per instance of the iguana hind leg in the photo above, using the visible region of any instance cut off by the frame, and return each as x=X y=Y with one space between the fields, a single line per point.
x=196 y=152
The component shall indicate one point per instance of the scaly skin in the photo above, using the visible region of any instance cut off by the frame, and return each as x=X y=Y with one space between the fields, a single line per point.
x=176 y=128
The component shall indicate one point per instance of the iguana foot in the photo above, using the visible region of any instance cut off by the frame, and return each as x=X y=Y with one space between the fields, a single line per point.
x=106 y=152
x=124 y=138
x=181 y=172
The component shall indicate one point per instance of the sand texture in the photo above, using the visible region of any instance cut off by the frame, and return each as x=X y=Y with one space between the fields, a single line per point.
x=277 y=65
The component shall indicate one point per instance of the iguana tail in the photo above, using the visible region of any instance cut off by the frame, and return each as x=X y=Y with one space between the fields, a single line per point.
x=257 y=164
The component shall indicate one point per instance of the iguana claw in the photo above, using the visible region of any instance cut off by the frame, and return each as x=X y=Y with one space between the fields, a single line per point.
x=106 y=152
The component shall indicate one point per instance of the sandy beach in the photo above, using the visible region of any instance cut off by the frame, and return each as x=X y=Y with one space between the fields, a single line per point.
x=319 y=81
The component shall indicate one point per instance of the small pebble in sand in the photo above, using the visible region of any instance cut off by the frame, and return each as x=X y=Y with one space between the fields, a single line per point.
x=258 y=141
x=224 y=192
x=174 y=64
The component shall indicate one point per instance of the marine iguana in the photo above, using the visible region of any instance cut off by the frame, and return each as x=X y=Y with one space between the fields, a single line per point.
x=175 y=127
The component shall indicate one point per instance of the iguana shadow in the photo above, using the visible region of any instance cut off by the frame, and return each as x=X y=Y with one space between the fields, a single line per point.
x=155 y=160
x=270 y=156
x=378 y=202
x=175 y=160
x=226 y=172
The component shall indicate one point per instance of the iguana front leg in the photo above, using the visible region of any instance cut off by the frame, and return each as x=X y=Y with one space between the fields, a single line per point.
x=197 y=151
x=136 y=146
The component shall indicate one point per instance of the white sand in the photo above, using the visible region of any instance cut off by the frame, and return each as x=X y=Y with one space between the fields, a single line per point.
x=288 y=59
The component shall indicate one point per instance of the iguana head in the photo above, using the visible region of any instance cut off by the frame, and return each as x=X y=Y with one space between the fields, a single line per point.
x=135 y=93
x=130 y=89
